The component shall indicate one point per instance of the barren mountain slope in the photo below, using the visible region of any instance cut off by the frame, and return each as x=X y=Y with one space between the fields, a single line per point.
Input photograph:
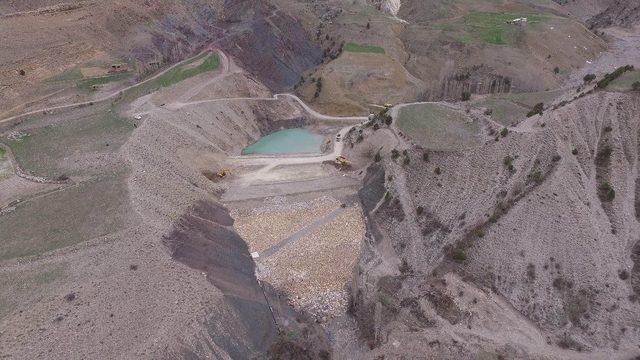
x=72 y=41
x=553 y=237
x=619 y=13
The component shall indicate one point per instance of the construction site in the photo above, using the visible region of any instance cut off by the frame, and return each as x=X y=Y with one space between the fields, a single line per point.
x=286 y=179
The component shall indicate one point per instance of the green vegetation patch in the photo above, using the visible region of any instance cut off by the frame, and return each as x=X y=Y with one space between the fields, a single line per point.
x=625 y=81
x=437 y=127
x=503 y=111
x=363 y=48
x=63 y=218
x=208 y=62
x=88 y=84
x=72 y=74
x=488 y=27
x=42 y=152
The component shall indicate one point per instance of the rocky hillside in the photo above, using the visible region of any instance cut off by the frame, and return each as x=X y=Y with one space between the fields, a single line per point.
x=466 y=244
x=620 y=13
x=83 y=36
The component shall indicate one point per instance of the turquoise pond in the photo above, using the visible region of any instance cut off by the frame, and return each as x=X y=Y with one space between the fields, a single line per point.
x=289 y=141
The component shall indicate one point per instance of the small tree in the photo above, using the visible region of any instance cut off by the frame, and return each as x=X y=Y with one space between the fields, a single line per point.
x=556 y=70
x=425 y=156
x=635 y=86
x=22 y=72
x=504 y=132
x=537 y=110
x=589 y=78
x=368 y=25
x=466 y=96
x=377 y=157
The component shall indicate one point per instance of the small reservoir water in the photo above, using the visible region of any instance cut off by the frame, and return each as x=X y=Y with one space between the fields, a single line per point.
x=289 y=141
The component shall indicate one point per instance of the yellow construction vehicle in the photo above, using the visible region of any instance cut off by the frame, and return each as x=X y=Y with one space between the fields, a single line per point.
x=224 y=172
x=342 y=161
x=388 y=106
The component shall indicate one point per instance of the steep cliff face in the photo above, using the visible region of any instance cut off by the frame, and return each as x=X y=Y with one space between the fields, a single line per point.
x=541 y=222
x=268 y=43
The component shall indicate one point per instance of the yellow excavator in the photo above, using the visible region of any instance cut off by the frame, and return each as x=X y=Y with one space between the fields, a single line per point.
x=224 y=173
x=342 y=161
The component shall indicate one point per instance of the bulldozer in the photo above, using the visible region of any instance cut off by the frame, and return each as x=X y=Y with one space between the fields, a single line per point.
x=342 y=161
x=224 y=173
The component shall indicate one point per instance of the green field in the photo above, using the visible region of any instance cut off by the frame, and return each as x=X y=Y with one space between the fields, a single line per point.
x=437 y=127
x=624 y=82
x=487 y=27
x=363 y=48
x=60 y=219
x=42 y=152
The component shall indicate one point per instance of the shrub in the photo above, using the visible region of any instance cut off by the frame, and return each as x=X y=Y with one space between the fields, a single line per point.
x=556 y=158
x=574 y=151
x=459 y=255
x=504 y=132
x=425 y=156
x=406 y=161
x=395 y=154
x=623 y=274
x=388 y=120
x=488 y=111
x=466 y=96
x=377 y=157
x=419 y=210
x=437 y=170
x=606 y=192
x=536 y=176
x=589 y=78
x=22 y=72
x=556 y=70
x=537 y=110
x=507 y=161
x=608 y=129
x=635 y=86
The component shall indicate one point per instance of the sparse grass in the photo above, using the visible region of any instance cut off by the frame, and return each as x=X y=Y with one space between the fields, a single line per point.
x=44 y=150
x=60 y=219
x=363 y=48
x=72 y=74
x=18 y=286
x=437 y=127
